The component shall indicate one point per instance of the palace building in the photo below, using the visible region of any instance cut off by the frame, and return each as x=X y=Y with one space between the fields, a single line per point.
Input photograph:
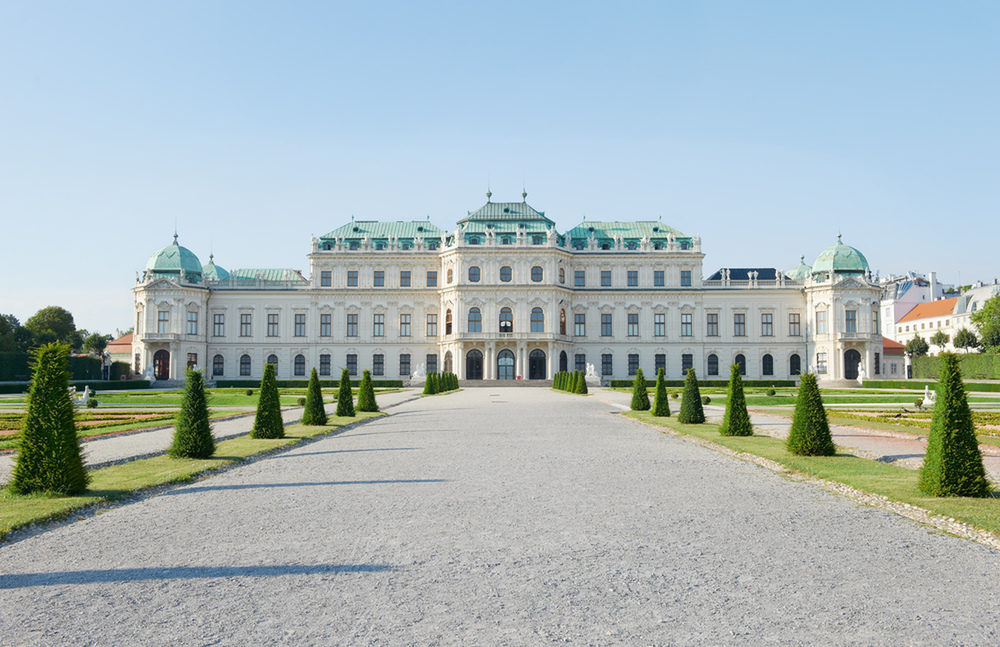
x=505 y=296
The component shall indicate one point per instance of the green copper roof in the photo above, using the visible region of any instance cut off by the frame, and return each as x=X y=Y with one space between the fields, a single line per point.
x=267 y=275
x=840 y=259
x=506 y=212
x=630 y=231
x=213 y=272
x=800 y=272
x=375 y=229
x=170 y=260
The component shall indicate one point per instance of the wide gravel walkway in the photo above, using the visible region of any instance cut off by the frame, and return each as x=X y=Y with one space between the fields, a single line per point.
x=497 y=517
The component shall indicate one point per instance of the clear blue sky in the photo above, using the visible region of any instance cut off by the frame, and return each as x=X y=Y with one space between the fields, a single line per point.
x=763 y=126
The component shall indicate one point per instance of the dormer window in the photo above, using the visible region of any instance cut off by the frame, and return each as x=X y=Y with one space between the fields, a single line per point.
x=353 y=245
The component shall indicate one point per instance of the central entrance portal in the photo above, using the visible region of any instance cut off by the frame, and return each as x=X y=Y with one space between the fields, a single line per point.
x=474 y=365
x=505 y=365
x=536 y=365
x=161 y=365
x=852 y=359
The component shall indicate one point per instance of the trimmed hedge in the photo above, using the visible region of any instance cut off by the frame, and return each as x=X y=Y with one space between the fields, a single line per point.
x=918 y=385
x=14 y=367
x=628 y=384
x=95 y=385
x=973 y=366
x=302 y=384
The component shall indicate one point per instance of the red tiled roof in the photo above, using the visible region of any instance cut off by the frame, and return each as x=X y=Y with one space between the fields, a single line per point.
x=890 y=347
x=125 y=340
x=940 y=308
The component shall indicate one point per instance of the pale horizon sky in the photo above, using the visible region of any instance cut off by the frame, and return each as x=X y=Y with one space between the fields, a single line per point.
x=764 y=127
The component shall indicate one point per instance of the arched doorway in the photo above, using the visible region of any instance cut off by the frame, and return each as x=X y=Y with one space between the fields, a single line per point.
x=563 y=361
x=505 y=365
x=851 y=360
x=161 y=365
x=474 y=365
x=536 y=365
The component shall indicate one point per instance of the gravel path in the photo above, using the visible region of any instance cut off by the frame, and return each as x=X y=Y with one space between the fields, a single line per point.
x=497 y=517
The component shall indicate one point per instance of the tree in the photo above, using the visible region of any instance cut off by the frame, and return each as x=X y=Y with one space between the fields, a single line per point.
x=736 y=421
x=57 y=322
x=640 y=398
x=810 y=431
x=268 y=422
x=917 y=347
x=581 y=384
x=661 y=403
x=315 y=413
x=953 y=465
x=13 y=336
x=193 y=431
x=692 y=413
x=366 y=394
x=987 y=320
x=940 y=339
x=430 y=384
x=966 y=339
x=95 y=343
x=345 y=400
x=49 y=458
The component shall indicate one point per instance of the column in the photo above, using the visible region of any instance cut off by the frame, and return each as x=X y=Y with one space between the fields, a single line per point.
x=459 y=362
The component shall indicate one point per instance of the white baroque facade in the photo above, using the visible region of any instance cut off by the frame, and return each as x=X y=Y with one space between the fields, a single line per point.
x=505 y=296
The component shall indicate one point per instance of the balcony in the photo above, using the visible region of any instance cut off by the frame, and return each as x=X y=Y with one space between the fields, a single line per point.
x=507 y=336
x=160 y=336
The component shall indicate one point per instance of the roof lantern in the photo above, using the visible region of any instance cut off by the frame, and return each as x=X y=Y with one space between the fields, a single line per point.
x=800 y=272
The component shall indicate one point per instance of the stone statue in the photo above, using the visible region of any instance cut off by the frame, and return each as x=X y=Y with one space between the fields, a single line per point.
x=419 y=375
x=862 y=375
x=930 y=397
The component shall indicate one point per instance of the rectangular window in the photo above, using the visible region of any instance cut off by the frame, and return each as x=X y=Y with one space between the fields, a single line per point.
x=218 y=325
x=325 y=279
x=821 y=322
x=352 y=364
x=580 y=324
x=851 y=320
x=767 y=324
x=378 y=364
x=300 y=325
x=404 y=326
x=633 y=364
x=163 y=321
x=739 y=325
x=892 y=368
x=686 y=325
x=378 y=325
x=878 y=364
x=606 y=330
x=432 y=363
x=324 y=364
x=685 y=278
x=404 y=279
x=352 y=325
x=875 y=327
x=404 y=365
x=821 y=362
x=192 y=360
x=352 y=278
x=272 y=325
x=579 y=278
x=246 y=329
x=794 y=325
x=432 y=279
x=325 y=325
x=712 y=324
x=605 y=278
x=660 y=324
x=659 y=361
x=580 y=362
x=378 y=280
x=607 y=367
x=633 y=278
x=192 y=322
x=687 y=362
x=432 y=326
x=633 y=324
x=658 y=278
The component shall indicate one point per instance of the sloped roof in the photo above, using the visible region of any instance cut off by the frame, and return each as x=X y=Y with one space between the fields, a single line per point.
x=375 y=229
x=275 y=274
x=743 y=274
x=636 y=229
x=124 y=340
x=890 y=347
x=506 y=211
x=931 y=309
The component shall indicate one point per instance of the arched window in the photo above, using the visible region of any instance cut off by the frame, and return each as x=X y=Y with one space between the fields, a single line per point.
x=300 y=365
x=245 y=365
x=537 y=274
x=505 y=274
x=767 y=365
x=713 y=364
x=273 y=359
x=537 y=320
x=218 y=365
x=473 y=274
x=475 y=320
x=562 y=275
x=447 y=321
x=562 y=322
x=506 y=320
x=451 y=275
x=742 y=363
x=795 y=365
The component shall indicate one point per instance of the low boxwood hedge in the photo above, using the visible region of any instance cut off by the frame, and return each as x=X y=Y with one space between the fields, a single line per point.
x=920 y=384
x=95 y=385
x=302 y=384
x=627 y=384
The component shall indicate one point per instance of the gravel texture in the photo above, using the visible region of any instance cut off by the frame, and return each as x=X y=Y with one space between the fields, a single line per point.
x=498 y=517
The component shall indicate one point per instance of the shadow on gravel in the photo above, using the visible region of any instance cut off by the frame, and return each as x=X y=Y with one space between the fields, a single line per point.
x=350 y=451
x=24 y=580
x=253 y=486
x=897 y=457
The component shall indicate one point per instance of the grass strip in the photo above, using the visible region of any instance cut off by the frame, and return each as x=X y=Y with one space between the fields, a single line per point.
x=124 y=481
x=895 y=483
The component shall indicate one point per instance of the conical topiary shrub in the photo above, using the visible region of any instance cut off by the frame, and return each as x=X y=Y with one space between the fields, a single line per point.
x=810 y=432
x=555 y=380
x=691 y=412
x=736 y=422
x=345 y=401
x=429 y=383
x=267 y=423
x=640 y=398
x=366 y=394
x=661 y=403
x=953 y=465
x=315 y=412
x=49 y=459
x=193 y=431
x=581 y=383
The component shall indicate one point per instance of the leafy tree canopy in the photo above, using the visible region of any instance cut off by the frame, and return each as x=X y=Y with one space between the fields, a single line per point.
x=940 y=338
x=57 y=322
x=96 y=343
x=965 y=338
x=987 y=320
x=917 y=347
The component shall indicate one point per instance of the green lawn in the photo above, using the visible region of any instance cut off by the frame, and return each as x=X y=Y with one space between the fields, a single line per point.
x=121 y=481
x=896 y=483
